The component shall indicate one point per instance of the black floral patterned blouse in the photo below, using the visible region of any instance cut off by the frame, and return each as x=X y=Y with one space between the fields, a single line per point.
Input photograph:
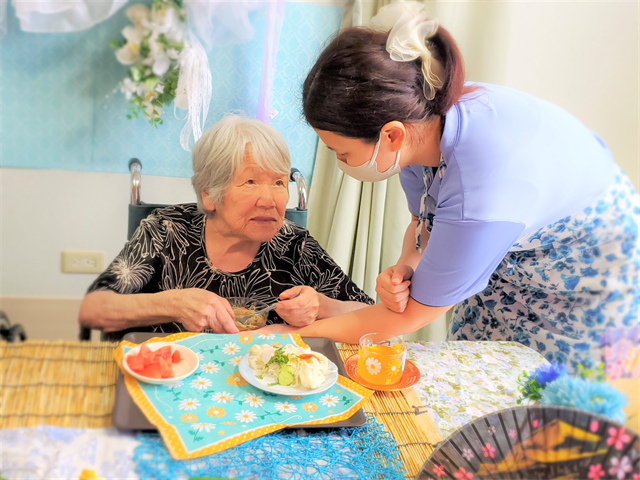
x=167 y=252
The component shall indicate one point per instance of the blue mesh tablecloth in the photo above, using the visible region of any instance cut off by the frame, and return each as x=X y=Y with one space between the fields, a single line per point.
x=363 y=453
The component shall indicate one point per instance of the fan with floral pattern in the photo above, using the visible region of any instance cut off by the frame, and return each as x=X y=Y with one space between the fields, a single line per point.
x=535 y=442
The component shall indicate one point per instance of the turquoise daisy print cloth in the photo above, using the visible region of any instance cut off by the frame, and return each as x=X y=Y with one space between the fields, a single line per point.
x=215 y=408
x=559 y=289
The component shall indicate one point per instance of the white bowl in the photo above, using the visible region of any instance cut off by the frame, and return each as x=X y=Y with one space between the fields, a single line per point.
x=250 y=376
x=182 y=370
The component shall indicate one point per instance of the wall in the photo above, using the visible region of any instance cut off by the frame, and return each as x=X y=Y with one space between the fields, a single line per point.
x=583 y=56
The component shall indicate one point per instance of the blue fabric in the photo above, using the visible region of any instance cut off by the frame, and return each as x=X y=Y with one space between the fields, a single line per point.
x=359 y=453
x=561 y=287
x=508 y=158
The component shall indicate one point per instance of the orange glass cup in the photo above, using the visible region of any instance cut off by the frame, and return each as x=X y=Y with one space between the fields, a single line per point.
x=381 y=361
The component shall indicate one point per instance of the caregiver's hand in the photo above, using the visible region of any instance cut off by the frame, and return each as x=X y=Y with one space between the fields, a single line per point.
x=393 y=287
x=302 y=310
x=198 y=309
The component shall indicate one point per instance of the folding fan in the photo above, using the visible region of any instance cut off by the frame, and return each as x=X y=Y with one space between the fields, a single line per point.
x=536 y=442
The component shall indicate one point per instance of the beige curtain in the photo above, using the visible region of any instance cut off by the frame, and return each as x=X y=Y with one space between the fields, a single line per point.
x=362 y=225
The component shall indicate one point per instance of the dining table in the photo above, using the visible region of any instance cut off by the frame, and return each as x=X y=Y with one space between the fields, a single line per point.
x=57 y=399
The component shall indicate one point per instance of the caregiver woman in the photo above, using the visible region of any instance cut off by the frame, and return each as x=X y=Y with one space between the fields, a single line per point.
x=521 y=218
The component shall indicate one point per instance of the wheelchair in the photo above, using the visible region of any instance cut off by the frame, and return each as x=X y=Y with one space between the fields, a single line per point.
x=138 y=211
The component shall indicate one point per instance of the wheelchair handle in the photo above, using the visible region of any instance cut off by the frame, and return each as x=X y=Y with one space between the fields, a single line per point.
x=135 y=166
x=301 y=185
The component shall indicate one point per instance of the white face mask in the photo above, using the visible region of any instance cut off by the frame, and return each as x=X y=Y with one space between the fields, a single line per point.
x=368 y=172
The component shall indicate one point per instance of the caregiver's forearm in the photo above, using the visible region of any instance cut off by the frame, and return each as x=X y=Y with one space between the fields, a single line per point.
x=410 y=256
x=350 y=327
x=330 y=307
x=110 y=311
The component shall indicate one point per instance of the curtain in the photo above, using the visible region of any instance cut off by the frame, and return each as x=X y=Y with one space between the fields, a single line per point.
x=361 y=224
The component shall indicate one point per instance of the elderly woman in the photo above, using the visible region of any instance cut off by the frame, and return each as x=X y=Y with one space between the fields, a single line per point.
x=184 y=260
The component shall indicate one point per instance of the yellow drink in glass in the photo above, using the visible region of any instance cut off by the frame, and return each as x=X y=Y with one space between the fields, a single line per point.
x=381 y=361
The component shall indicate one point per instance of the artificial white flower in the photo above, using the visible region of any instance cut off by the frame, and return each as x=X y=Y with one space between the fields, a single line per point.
x=268 y=336
x=167 y=22
x=129 y=87
x=177 y=384
x=189 y=404
x=253 y=400
x=373 y=365
x=329 y=400
x=198 y=427
x=161 y=64
x=246 y=416
x=222 y=397
x=200 y=383
x=133 y=35
x=138 y=12
x=153 y=45
x=210 y=368
x=285 y=407
x=231 y=349
x=235 y=361
x=126 y=55
x=129 y=53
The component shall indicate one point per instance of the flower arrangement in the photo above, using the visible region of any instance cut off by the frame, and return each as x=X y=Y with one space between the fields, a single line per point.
x=152 y=46
x=551 y=385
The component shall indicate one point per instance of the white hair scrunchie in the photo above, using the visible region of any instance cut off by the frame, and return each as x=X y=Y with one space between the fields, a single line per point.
x=410 y=29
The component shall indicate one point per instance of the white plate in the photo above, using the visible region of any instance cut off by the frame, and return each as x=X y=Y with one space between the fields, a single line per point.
x=182 y=370
x=249 y=375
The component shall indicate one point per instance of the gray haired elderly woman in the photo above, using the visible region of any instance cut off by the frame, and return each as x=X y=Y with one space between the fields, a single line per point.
x=185 y=260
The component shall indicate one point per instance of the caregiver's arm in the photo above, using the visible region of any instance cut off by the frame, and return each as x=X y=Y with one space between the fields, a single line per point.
x=299 y=306
x=195 y=308
x=350 y=327
x=392 y=285
x=410 y=256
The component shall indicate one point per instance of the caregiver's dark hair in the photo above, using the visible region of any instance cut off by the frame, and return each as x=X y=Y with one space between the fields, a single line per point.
x=355 y=88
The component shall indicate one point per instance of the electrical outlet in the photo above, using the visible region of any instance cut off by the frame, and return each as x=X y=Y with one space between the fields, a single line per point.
x=79 y=261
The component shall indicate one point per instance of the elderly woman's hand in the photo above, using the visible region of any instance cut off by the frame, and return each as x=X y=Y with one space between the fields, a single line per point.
x=199 y=309
x=302 y=310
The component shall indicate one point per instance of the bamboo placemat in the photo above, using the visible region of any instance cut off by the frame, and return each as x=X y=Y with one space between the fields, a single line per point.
x=405 y=418
x=72 y=384
x=62 y=383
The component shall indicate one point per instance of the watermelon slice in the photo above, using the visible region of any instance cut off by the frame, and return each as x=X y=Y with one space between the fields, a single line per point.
x=154 y=364
x=136 y=363
x=152 y=371
x=176 y=358
x=165 y=370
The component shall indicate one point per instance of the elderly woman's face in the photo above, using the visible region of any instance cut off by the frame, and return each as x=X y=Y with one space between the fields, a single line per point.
x=255 y=202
